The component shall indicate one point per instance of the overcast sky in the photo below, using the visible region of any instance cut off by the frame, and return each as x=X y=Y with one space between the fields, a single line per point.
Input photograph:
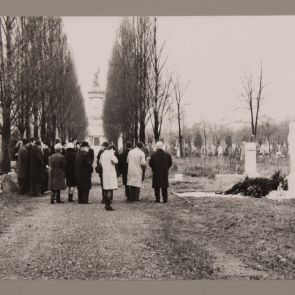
x=211 y=53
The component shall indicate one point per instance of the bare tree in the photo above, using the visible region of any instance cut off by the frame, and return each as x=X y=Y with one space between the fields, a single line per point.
x=198 y=139
x=6 y=26
x=38 y=82
x=268 y=128
x=161 y=101
x=253 y=99
x=216 y=135
x=204 y=128
x=179 y=105
x=138 y=92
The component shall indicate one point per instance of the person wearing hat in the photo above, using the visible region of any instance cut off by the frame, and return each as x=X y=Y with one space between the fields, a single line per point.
x=23 y=168
x=103 y=147
x=56 y=173
x=70 y=157
x=160 y=163
x=83 y=171
x=77 y=145
x=36 y=166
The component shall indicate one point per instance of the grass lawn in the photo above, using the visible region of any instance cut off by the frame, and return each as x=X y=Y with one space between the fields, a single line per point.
x=244 y=238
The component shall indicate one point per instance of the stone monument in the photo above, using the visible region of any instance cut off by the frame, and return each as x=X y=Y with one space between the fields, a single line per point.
x=220 y=151
x=94 y=109
x=250 y=159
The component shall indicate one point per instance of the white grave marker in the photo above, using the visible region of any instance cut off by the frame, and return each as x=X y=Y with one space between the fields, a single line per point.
x=250 y=159
x=178 y=177
x=178 y=153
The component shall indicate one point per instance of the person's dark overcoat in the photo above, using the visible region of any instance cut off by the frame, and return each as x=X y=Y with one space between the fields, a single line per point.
x=160 y=163
x=70 y=157
x=123 y=165
x=91 y=155
x=83 y=170
x=36 y=164
x=46 y=154
x=56 y=172
x=97 y=162
x=23 y=163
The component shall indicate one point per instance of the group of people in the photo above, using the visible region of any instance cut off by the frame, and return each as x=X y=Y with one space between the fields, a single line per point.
x=71 y=165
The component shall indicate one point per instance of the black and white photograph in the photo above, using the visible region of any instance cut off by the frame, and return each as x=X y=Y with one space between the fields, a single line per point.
x=147 y=148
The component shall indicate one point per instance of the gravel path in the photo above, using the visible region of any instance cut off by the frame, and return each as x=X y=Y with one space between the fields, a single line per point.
x=75 y=241
x=141 y=240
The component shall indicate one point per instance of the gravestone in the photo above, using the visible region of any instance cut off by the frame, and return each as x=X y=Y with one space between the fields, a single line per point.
x=178 y=153
x=178 y=177
x=220 y=151
x=250 y=159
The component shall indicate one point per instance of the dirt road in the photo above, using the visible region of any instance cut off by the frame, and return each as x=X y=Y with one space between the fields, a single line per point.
x=136 y=241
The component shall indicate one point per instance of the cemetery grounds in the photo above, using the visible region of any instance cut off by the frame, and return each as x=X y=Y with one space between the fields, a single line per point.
x=188 y=238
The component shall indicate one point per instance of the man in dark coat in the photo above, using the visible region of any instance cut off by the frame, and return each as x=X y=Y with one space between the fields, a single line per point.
x=46 y=153
x=36 y=173
x=103 y=147
x=70 y=157
x=123 y=168
x=16 y=150
x=91 y=155
x=83 y=170
x=160 y=163
x=56 y=173
x=23 y=168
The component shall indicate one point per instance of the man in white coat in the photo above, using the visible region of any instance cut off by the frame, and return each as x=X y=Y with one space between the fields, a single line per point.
x=136 y=168
x=108 y=160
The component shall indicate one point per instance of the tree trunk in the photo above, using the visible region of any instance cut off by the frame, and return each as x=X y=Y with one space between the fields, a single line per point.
x=7 y=99
x=21 y=132
x=252 y=120
x=28 y=126
x=36 y=127
x=142 y=130
x=43 y=126
x=156 y=126
x=180 y=134
x=6 y=141
x=53 y=131
x=269 y=149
